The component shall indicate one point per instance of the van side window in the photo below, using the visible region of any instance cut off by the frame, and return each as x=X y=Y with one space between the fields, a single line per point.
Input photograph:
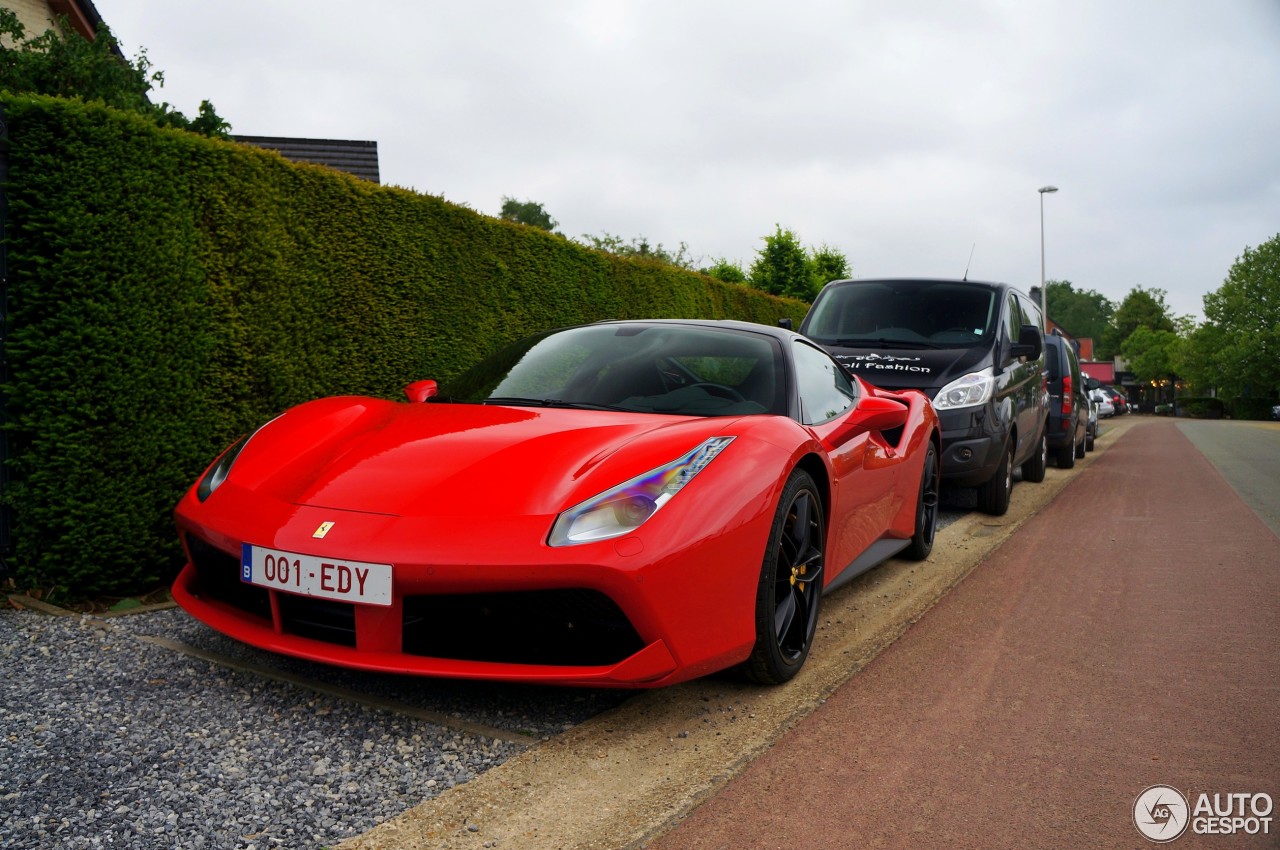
x=1031 y=313
x=1010 y=321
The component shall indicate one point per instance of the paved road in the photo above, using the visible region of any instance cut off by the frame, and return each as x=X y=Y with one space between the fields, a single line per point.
x=1126 y=636
x=1248 y=456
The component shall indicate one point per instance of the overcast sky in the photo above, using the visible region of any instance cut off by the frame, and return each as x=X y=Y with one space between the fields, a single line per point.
x=904 y=134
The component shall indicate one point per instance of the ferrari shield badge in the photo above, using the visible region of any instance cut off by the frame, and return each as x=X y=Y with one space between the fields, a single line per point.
x=322 y=530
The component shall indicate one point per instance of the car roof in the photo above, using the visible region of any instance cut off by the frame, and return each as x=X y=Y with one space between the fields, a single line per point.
x=990 y=284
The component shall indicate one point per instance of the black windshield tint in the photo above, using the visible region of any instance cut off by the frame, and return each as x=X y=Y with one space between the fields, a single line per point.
x=677 y=369
x=913 y=312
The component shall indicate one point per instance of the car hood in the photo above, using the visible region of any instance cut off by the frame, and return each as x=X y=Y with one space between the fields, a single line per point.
x=437 y=460
x=921 y=368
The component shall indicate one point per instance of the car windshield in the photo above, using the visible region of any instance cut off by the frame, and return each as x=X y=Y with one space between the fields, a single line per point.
x=687 y=370
x=909 y=313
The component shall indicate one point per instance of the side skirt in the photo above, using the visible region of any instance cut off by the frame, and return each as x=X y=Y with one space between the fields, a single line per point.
x=876 y=553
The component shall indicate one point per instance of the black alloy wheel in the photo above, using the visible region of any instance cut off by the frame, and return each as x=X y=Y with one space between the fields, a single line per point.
x=790 y=589
x=926 y=508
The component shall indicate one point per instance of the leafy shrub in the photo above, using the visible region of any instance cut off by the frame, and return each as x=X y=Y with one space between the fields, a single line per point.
x=1252 y=408
x=1201 y=408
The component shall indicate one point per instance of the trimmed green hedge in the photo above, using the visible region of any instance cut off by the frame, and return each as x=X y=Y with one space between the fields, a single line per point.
x=1252 y=408
x=167 y=292
x=1202 y=408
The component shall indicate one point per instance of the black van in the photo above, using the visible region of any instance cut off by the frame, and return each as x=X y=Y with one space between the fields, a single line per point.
x=976 y=348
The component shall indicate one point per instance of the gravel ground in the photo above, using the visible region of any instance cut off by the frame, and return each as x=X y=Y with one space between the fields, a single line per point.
x=109 y=740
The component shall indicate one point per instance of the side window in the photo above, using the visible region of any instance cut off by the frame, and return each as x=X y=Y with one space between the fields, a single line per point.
x=1031 y=313
x=1054 y=352
x=825 y=390
x=1009 y=320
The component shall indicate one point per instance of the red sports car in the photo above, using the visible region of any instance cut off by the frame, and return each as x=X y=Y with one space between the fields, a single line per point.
x=620 y=504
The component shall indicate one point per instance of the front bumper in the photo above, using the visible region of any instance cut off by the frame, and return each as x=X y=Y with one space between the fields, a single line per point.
x=487 y=599
x=971 y=447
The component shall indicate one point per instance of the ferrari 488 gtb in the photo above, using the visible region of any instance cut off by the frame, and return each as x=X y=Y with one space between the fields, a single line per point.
x=620 y=504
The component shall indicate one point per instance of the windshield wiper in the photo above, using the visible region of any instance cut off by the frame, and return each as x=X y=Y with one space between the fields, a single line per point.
x=862 y=342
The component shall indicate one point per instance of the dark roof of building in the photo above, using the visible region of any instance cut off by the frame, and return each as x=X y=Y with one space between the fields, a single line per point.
x=82 y=15
x=354 y=157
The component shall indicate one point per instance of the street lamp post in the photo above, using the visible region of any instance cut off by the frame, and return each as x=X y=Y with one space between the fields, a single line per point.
x=1044 y=307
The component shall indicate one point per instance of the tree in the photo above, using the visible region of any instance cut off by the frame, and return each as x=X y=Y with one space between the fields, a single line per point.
x=1086 y=314
x=1141 y=308
x=527 y=212
x=784 y=267
x=781 y=267
x=825 y=265
x=1243 y=323
x=729 y=272
x=1200 y=361
x=639 y=248
x=62 y=63
x=1152 y=355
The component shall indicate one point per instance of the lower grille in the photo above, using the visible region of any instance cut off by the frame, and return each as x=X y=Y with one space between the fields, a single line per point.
x=318 y=619
x=218 y=577
x=571 y=627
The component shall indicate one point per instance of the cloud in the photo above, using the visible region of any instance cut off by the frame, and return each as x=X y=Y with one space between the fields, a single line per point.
x=904 y=134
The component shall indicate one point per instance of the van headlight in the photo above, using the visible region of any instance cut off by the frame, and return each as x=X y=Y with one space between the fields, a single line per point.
x=970 y=391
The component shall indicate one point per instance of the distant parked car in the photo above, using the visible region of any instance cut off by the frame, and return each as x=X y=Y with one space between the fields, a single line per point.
x=1068 y=427
x=1103 y=400
x=1119 y=400
x=1275 y=412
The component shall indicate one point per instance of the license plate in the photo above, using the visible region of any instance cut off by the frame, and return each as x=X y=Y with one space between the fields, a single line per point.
x=308 y=575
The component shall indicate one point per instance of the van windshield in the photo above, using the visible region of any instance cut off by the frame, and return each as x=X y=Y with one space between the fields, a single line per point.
x=904 y=313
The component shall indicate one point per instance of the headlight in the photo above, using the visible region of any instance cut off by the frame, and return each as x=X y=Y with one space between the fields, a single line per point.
x=624 y=508
x=971 y=390
x=218 y=472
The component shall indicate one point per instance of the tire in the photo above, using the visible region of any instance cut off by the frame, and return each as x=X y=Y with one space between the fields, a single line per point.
x=1080 y=447
x=1033 y=469
x=993 y=496
x=789 y=593
x=1065 y=457
x=926 y=508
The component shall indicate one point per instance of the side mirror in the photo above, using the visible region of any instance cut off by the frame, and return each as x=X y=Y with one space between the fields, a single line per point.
x=878 y=414
x=420 y=391
x=872 y=414
x=1030 y=344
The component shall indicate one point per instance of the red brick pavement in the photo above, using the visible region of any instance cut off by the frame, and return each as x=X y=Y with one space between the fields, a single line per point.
x=1128 y=635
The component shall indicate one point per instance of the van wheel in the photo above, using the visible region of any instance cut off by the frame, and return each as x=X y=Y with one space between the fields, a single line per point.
x=1065 y=457
x=1080 y=447
x=1033 y=469
x=993 y=496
